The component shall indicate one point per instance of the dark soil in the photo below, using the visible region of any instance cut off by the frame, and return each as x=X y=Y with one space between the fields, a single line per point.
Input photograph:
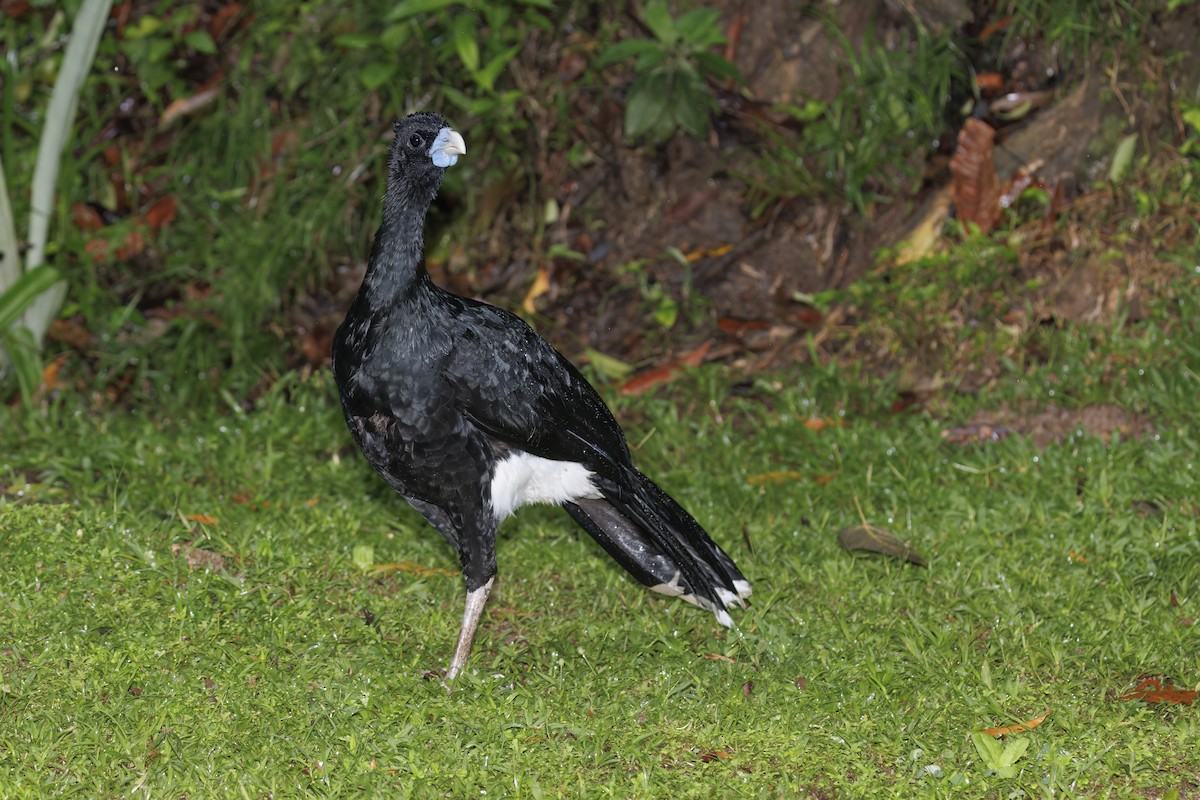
x=748 y=276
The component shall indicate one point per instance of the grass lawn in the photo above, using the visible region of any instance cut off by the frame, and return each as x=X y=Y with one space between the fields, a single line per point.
x=203 y=603
x=205 y=597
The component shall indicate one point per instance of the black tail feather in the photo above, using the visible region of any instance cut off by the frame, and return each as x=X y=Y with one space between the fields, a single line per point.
x=660 y=544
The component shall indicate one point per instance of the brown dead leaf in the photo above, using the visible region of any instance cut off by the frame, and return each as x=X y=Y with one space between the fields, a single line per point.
x=1019 y=728
x=71 y=333
x=774 y=477
x=203 y=519
x=161 y=213
x=86 y=217
x=50 y=374
x=989 y=81
x=198 y=558
x=229 y=12
x=709 y=756
x=992 y=28
x=184 y=106
x=976 y=185
x=571 y=66
x=719 y=657
x=873 y=539
x=689 y=205
x=740 y=326
x=817 y=424
x=1156 y=690
x=645 y=381
x=541 y=285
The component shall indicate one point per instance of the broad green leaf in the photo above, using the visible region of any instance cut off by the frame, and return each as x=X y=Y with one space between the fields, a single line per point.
x=658 y=19
x=1122 y=158
x=201 y=42
x=406 y=9
x=701 y=28
x=486 y=77
x=627 y=49
x=666 y=312
x=463 y=32
x=989 y=748
x=1013 y=750
x=355 y=41
x=395 y=36
x=1191 y=116
x=714 y=66
x=643 y=107
x=24 y=291
x=474 y=106
x=690 y=104
x=613 y=368
x=363 y=556
x=376 y=74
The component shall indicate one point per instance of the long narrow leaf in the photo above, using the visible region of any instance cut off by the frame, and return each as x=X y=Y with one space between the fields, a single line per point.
x=10 y=253
x=21 y=294
x=60 y=120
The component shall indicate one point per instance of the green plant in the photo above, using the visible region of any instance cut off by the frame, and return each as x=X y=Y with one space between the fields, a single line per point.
x=37 y=292
x=872 y=137
x=670 y=90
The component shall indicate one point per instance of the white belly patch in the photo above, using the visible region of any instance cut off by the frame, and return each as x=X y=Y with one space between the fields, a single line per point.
x=522 y=478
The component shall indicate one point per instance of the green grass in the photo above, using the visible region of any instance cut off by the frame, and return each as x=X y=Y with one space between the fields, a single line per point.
x=1057 y=579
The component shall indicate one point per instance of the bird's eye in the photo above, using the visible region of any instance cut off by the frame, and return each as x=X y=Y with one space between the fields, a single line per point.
x=415 y=141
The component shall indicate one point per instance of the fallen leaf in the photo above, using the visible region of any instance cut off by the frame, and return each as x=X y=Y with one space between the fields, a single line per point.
x=989 y=81
x=873 y=539
x=1019 y=728
x=748 y=689
x=571 y=66
x=689 y=205
x=50 y=373
x=992 y=28
x=774 y=477
x=220 y=20
x=740 y=326
x=162 y=213
x=707 y=252
x=719 y=657
x=199 y=559
x=203 y=519
x=976 y=189
x=709 y=756
x=645 y=381
x=816 y=424
x=541 y=285
x=1155 y=690
x=86 y=217
x=187 y=105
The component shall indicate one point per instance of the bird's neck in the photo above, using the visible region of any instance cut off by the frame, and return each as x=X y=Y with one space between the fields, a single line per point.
x=397 y=265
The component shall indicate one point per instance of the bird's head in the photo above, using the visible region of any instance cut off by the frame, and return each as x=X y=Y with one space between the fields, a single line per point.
x=424 y=147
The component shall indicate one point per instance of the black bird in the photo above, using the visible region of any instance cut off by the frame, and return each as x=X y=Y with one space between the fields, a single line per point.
x=468 y=413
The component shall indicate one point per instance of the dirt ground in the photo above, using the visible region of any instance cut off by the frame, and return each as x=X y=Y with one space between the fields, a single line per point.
x=745 y=286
